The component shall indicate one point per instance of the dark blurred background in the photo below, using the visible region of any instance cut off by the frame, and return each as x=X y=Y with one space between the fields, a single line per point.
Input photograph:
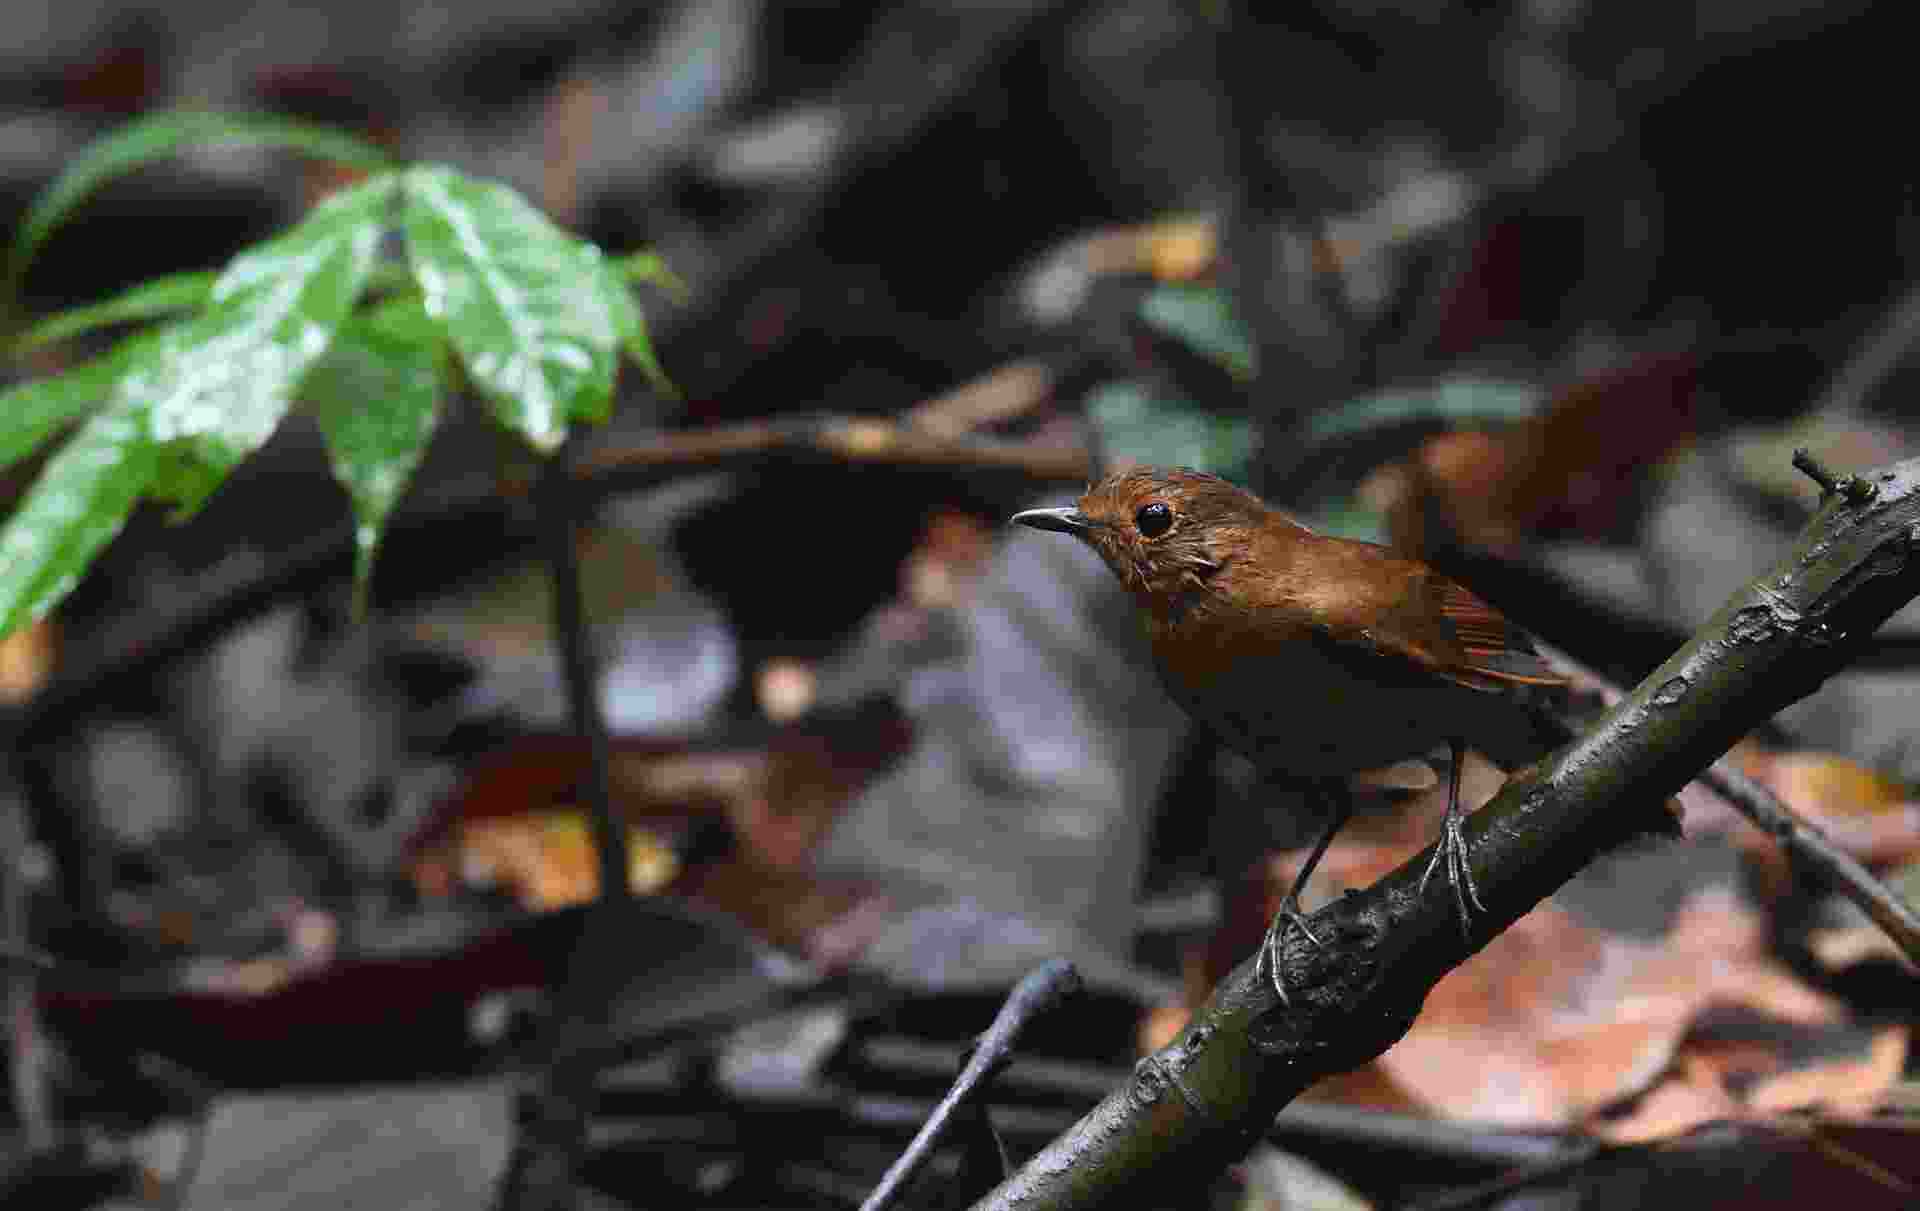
x=1545 y=291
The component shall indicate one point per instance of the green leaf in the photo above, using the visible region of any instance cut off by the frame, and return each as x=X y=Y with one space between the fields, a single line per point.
x=148 y=300
x=631 y=323
x=217 y=385
x=1134 y=423
x=526 y=306
x=187 y=401
x=183 y=478
x=1202 y=317
x=648 y=266
x=393 y=276
x=30 y=413
x=1450 y=401
x=157 y=136
x=1349 y=519
x=79 y=502
x=376 y=395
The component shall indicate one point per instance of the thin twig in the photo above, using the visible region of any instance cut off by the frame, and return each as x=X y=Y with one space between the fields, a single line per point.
x=1874 y=358
x=184 y=1081
x=583 y=683
x=1486 y=1193
x=553 y=1138
x=1441 y=1139
x=195 y=1155
x=1009 y=391
x=1817 y=852
x=1810 y=1134
x=839 y=439
x=983 y=1155
x=21 y=969
x=1800 y=837
x=1482 y=1193
x=1043 y=989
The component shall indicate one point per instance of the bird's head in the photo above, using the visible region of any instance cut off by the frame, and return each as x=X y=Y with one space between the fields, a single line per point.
x=1164 y=531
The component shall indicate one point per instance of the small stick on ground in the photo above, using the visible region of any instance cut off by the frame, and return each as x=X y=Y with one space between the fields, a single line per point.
x=1053 y=982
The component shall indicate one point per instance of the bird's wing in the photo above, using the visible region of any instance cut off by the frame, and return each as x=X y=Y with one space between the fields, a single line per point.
x=1492 y=653
x=1390 y=620
x=1445 y=631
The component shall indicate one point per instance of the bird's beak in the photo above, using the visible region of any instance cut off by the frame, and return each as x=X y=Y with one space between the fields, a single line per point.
x=1062 y=521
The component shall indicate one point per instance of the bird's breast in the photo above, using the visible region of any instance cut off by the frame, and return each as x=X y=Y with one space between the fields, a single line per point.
x=1285 y=701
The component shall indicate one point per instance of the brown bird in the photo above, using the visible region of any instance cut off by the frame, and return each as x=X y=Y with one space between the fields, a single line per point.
x=1317 y=658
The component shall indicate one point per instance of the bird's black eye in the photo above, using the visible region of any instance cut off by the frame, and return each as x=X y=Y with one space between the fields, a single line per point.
x=1154 y=519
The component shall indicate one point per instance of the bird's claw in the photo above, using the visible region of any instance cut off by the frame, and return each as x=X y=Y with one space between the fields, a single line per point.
x=1269 y=961
x=1453 y=847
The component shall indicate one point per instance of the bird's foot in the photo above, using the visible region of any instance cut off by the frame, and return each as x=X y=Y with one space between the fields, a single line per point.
x=1453 y=848
x=1289 y=916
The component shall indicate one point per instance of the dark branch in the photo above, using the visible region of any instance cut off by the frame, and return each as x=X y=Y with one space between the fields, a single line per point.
x=553 y=1139
x=1473 y=1144
x=583 y=682
x=1197 y=1104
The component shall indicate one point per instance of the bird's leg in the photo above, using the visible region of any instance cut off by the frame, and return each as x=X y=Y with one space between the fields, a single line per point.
x=1453 y=846
x=1341 y=798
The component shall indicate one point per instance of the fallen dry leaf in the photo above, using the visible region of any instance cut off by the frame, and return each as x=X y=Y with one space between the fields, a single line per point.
x=1567 y=471
x=946 y=561
x=1846 y=945
x=1842 y=1086
x=1813 y=778
x=829 y=921
x=784 y=688
x=1849 y=946
x=1754 y=1081
x=26 y=660
x=1179 y=250
x=1557 y=1021
x=1668 y=1110
x=548 y=860
x=1161 y=1026
x=778 y=801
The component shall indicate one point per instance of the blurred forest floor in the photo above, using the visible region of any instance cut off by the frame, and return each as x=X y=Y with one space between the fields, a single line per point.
x=1545 y=293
